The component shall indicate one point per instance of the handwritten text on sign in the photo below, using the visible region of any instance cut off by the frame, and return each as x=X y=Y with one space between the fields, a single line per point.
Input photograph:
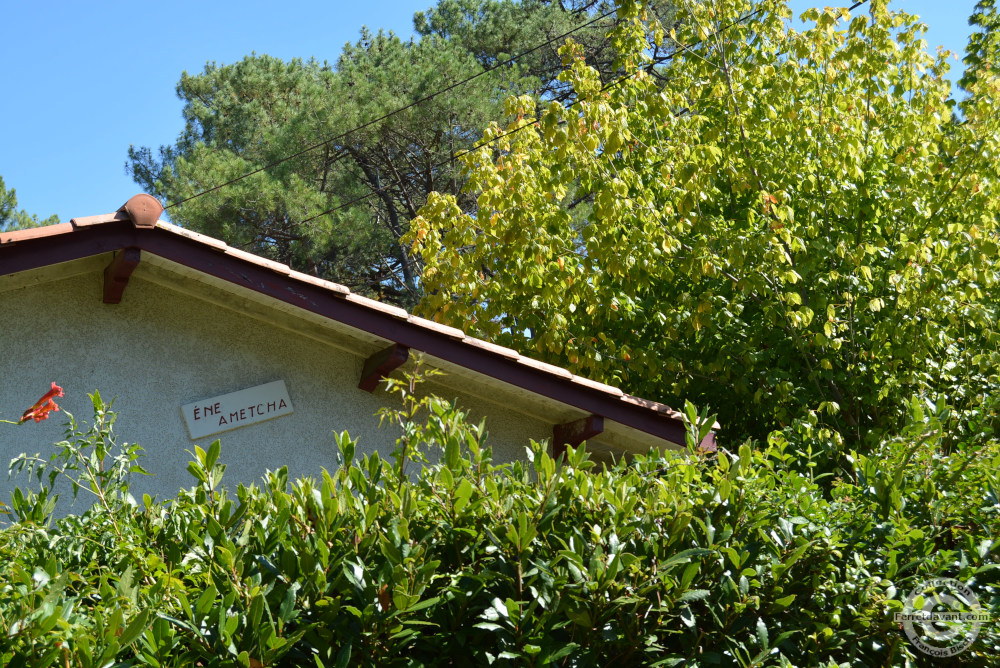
x=237 y=409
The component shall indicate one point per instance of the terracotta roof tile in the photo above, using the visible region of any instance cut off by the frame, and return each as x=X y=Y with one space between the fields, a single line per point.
x=35 y=233
x=593 y=384
x=194 y=236
x=87 y=221
x=320 y=283
x=394 y=311
x=547 y=368
x=509 y=353
x=276 y=267
x=437 y=327
x=652 y=405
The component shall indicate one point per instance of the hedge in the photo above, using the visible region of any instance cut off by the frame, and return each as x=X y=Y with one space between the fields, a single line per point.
x=439 y=556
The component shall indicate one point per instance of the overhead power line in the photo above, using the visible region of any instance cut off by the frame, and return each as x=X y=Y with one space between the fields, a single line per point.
x=390 y=114
x=517 y=129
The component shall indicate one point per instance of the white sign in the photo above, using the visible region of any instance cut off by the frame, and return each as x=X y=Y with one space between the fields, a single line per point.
x=237 y=409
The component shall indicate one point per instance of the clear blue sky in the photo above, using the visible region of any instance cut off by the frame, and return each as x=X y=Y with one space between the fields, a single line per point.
x=85 y=80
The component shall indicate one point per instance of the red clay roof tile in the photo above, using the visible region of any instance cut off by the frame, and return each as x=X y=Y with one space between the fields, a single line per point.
x=652 y=405
x=509 y=353
x=394 y=311
x=451 y=332
x=87 y=221
x=320 y=283
x=194 y=236
x=547 y=368
x=276 y=267
x=593 y=384
x=35 y=233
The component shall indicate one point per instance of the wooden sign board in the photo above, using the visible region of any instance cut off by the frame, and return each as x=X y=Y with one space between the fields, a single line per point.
x=237 y=409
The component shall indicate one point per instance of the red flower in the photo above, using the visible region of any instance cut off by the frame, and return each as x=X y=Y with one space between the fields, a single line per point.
x=40 y=411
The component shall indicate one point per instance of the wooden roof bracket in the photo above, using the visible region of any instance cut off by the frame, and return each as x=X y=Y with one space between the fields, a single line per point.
x=117 y=273
x=381 y=364
x=576 y=432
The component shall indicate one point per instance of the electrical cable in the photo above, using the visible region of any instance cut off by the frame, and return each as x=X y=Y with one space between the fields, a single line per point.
x=614 y=83
x=382 y=189
x=659 y=61
x=390 y=114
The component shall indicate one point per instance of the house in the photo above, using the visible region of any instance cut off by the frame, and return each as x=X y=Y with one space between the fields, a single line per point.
x=199 y=340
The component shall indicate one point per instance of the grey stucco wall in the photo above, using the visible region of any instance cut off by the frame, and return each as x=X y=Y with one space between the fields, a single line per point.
x=160 y=349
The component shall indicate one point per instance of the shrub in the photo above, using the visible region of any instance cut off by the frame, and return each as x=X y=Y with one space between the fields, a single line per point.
x=735 y=559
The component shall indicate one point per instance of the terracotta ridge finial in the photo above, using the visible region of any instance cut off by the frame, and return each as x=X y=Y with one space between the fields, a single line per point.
x=144 y=210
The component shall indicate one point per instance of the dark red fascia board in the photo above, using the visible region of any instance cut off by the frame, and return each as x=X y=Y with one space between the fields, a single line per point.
x=114 y=236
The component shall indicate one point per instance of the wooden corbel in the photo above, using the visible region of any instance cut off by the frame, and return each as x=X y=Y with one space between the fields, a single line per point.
x=576 y=432
x=381 y=364
x=117 y=273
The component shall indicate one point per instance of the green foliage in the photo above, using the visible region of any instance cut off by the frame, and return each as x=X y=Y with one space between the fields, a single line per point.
x=493 y=30
x=12 y=218
x=244 y=116
x=736 y=559
x=983 y=51
x=786 y=225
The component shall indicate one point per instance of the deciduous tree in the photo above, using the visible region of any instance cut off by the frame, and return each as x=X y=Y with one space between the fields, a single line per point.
x=792 y=228
x=981 y=55
x=246 y=116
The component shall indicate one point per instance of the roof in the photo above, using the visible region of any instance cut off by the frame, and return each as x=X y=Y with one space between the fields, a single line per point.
x=85 y=237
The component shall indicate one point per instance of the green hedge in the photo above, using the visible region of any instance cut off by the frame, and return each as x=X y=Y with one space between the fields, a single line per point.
x=736 y=559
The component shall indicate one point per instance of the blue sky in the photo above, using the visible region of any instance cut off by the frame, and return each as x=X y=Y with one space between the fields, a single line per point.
x=85 y=80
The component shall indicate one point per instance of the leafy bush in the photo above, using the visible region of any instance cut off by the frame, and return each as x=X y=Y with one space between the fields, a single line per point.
x=732 y=559
x=784 y=219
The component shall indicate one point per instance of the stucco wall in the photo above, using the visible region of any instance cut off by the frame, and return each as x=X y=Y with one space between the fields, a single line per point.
x=160 y=349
